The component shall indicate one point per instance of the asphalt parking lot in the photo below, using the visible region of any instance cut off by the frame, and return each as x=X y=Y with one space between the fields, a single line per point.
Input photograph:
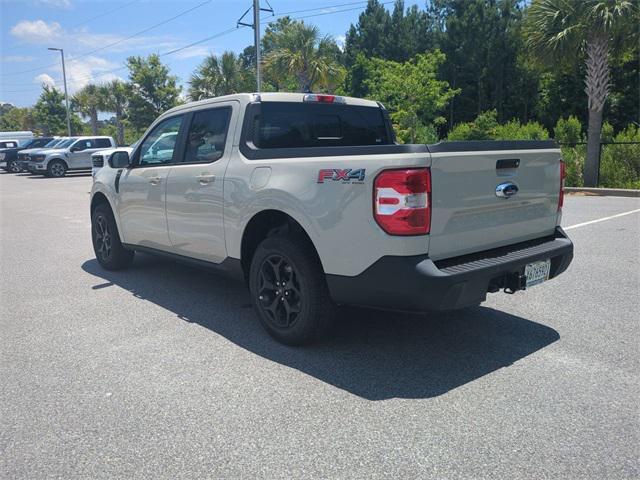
x=163 y=371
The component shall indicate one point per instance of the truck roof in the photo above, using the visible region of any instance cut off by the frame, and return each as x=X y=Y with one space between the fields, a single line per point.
x=266 y=97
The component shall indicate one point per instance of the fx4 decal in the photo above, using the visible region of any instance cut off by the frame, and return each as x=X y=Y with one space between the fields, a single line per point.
x=346 y=176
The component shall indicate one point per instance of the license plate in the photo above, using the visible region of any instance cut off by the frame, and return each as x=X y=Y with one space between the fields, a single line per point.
x=537 y=272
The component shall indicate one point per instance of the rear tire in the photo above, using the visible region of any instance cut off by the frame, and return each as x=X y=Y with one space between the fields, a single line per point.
x=110 y=253
x=289 y=291
x=56 y=169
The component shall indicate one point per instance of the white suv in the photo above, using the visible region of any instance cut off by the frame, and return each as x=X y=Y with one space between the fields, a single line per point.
x=76 y=156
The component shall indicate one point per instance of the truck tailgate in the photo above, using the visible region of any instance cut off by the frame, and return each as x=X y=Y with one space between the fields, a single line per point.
x=468 y=215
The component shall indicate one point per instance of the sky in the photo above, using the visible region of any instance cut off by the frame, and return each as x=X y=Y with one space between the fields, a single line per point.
x=98 y=35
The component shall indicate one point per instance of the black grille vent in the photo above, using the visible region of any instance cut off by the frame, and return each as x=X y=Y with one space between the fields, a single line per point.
x=97 y=161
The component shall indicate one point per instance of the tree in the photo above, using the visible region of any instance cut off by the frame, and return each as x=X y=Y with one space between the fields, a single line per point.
x=114 y=97
x=411 y=91
x=559 y=30
x=50 y=112
x=16 y=119
x=153 y=90
x=217 y=76
x=87 y=101
x=300 y=51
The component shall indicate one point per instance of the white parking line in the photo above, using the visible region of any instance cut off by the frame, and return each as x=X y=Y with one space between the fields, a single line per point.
x=602 y=219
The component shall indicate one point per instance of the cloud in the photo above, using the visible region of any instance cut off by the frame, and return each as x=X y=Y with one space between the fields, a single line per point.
x=17 y=58
x=340 y=39
x=44 y=78
x=192 y=52
x=66 y=4
x=37 y=31
x=87 y=70
x=43 y=33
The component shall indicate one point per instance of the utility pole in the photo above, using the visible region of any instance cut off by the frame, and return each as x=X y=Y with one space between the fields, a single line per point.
x=256 y=34
x=66 y=95
x=256 y=41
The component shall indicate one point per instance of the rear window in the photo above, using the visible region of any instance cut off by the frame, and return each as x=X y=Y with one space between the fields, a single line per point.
x=296 y=125
x=102 y=142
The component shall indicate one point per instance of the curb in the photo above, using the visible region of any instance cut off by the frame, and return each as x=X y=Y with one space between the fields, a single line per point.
x=609 y=192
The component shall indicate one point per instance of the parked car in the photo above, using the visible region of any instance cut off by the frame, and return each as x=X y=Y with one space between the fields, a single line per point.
x=24 y=155
x=308 y=198
x=101 y=157
x=76 y=156
x=9 y=156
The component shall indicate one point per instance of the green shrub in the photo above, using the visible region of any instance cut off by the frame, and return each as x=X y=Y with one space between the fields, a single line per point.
x=574 y=161
x=620 y=164
x=568 y=131
x=486 y=127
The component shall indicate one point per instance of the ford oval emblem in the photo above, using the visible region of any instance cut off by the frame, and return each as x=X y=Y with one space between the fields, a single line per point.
x=506 y=190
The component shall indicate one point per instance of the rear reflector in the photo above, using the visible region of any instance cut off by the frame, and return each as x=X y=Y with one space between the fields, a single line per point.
x=563 y=175
x=320 y=98
x=402 y=201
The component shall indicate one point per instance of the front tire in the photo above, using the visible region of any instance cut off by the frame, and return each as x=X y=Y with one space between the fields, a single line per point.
x=13 y=167
x=56 y=169
x=110 y=253
x=289 y=290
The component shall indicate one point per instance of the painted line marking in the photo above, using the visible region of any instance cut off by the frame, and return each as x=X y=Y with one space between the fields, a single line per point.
x=577 y=225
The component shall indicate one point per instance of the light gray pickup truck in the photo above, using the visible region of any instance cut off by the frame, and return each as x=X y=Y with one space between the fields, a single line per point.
x=308 y=198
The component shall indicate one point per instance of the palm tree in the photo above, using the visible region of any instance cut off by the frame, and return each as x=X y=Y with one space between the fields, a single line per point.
x=300 y=51
x=87 y=102
x=114 y=97
x=220 y=76
x=560 y=30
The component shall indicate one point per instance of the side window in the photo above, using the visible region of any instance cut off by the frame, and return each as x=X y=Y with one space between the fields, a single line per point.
x=207 y=135
x=157 y=148
x=81 y=145
x=102 y=143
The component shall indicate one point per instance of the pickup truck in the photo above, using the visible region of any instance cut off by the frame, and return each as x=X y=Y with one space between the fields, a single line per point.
x=310 y=200
x=73 y=155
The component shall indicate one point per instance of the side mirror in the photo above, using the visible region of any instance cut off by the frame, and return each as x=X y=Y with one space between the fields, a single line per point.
x=75 y=149
x=119 y=159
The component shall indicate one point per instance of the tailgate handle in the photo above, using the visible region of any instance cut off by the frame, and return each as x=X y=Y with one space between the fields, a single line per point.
x=507 y=163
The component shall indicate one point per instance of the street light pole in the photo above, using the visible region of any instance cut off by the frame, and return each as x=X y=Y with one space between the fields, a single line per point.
x=66 y=95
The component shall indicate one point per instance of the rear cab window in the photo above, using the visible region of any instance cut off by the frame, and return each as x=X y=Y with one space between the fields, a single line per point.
x=280 y=125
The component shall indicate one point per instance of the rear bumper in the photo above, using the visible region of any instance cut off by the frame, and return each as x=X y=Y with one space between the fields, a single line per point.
x=419 y=284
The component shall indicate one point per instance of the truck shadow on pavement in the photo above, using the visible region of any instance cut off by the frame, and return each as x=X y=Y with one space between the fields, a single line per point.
x=375 y=355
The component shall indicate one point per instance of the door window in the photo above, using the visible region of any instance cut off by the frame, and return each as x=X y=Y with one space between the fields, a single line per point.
x=158 y=147
x=102 y=143
x=81 y=145
x=207 y=135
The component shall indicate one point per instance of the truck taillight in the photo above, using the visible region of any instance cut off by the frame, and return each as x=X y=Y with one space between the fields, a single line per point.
x=321 y=98
x=563 y=175
x=402 y=201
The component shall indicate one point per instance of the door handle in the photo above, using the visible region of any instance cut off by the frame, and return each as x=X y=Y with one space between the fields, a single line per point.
x=205 y=179
x=155 y=180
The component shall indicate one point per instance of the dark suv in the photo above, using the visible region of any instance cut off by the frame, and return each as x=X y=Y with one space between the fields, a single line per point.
x=10 y=163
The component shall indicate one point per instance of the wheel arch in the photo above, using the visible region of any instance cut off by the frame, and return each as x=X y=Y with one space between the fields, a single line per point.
x=58 y=159
x=101 y=198
x=264 y=224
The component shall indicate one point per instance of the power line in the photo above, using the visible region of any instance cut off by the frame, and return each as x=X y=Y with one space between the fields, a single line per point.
x=233 y=29
x=85 y=22
x=116 y=42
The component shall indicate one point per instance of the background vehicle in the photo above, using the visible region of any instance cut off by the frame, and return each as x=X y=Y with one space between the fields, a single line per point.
x=24 y=155
x=308 y=198
x=9 y=156
x=75 y=156
x=21 y=137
